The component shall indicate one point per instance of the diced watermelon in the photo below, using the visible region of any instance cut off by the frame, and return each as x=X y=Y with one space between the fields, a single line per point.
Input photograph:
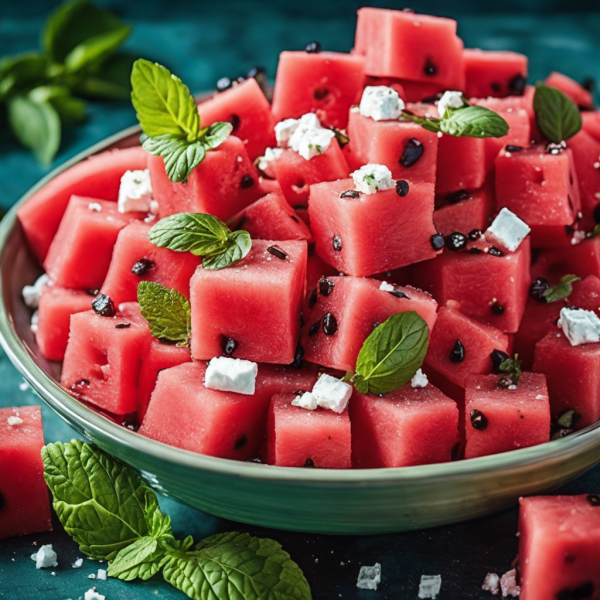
x=56 y=306
x=24 y=502
x=81 y=251
x=356 y=305
x=411 y=426
x=326 y=83
x=461 y=164
x=580 y=259
x=586 y=294
x=136 y=259
x=499 y=418
x=298 y=437
x=577 y=93
x=591 y=123
x=316 y=268
x=559 y=541
x=422 y=91
x=255 y=302
x=396 y=230
x=247 y=109
x=98 y=176
x=496 y=74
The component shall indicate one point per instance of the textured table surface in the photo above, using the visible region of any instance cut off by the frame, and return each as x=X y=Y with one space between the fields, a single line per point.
x=202 y=41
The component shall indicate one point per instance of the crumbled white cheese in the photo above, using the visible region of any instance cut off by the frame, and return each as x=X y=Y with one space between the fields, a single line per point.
x=579 y=326
x=371 y=178
x=265 y=162
x=507 y=230
x=381 y=103
x=332 y=393
x=491 y=584
x=14 y=421
x=231 y=375
x=135 y=192
x=309 y=138
x=419 y=380
x=92 y=576
x=450 y=99
x=284 y=130
x=306 y=400
x=101 y=574
x=95 y=207
x=578 y=237
x=78 y=563
x=508 y=584
x=429 y=586
x=31 y=293
x=35 y=319
x=369 y=578
x=45 y=557
x=92 y=594
x=386 y=287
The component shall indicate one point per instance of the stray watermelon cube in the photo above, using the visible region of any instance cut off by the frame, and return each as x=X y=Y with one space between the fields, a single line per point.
x=24 y=502
x=460 y=164
x=495 y=74
x=577 y=93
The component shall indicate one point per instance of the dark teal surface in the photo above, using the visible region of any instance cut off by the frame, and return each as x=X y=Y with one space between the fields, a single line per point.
x=202 y=41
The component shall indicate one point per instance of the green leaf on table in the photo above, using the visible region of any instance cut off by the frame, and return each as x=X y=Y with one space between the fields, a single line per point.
x=140 y=560
x=556 y=114
x=21 y=71
x=562 y=290
x=239 y=244
x=96 y=48
x=392 y=354
x=473 y=121
x=180 y=156
x=69 y=108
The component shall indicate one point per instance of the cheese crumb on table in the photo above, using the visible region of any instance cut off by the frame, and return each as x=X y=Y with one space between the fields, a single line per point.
x=78 y=563
x=580 y=326
x=429 y=586
x=92 y=594
x=381 y=103
x=231 y=375
x=101 y=574
x=332 y=393
x=507 y=230
x=135 y=192
x=45 y=557
x=371 y=178
x=508 y=584
x=369 y=578
x=491 y=584
x=306 y=400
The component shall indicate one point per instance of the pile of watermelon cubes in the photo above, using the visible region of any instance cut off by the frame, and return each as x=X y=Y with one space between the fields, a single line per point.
x=377 y=217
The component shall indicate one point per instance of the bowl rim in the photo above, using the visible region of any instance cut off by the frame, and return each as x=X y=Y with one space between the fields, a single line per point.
x=71 y=409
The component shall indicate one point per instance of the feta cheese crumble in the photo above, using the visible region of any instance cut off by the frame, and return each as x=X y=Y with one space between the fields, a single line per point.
x=508 y=584
x=386 y=287
x=419 y=380
x=309 y=139
x=45 y=557
x=31 y=293
x=579 y=326
x=507 y=230
x=78 y=563
x=231 y=375
x=101 y=575
x=284 y=130
x=265 y=162
x=491 y=584
x=92 y=594
x=429 y=586
x=35 y=319
x=371 y=178
x=369 y=578
x=95 y=207
x=450 y=99
x=332 y=393
x=14 y=421
x=381 y=103
x=135 y=192
x=306 y=400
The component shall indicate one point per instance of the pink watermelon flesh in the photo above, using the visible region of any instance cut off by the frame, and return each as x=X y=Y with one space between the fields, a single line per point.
x=316 y=268
x=134 y=253
x=591 y=123
x=498 y=419
x=495 y=74
x=422 y=91
x=356 y=305
x=255 y=302
x=297 y=437
x=396 y=230
x=24 y=502
x=411 y=426
x=580 y=259
x=98 y=176
x=56 y=306
x=461 y=164
x=326 y=83
x=559 y=541
x=577 y=93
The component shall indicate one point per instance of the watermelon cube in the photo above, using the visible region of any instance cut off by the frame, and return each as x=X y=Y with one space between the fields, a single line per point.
x=559 y=547
x=249 y=112
x=136 y=259
x=82 y=249
x=577 y=93
x=98 y=176
x=591 y=123
x=297 y=437
x=460 y=164
x=326 y=83
x=581 y=259
x=496 y=74
x=24 y=502
x=410 y=426
x=397 y=230
x=501 y=416
x=355 y=305
x=422 y=91
x=316 y=268
x=256 y=303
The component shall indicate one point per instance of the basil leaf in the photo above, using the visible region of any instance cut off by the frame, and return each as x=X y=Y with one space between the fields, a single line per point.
x=216 y=134
x=102 y=503
x=163 y=103
x=109 y=81
x=561 y=291
x=36 y=125
x=474 y=121
x=392 y=354
x=238 y=246
x=236 y=565
x=512 y=366
x=22 y=71
x=167 y=312
x=556 y=115
x=181 y=157
x=96 y=48
x=140 y=560
x=69 y=108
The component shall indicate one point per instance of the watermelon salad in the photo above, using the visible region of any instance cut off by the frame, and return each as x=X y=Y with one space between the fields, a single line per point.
x=394 y=261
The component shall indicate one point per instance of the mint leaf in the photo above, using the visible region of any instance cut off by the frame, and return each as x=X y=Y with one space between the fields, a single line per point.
x=238 y=246
x=216 y=134
x=431 y=124
x=561 y=291
x=102 y=503
x=69 y=108
x=22 y=71
x=392 y=354
x=140 y=560
x=473 y=121
x=167 y=312
x=230 y=566
x=557 y=116
x=180 y=156
x=512 y=367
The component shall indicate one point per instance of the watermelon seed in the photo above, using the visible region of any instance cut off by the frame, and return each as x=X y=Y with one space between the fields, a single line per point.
x=454 y=452
x=241 y=442
x=594 y=499
x=537 y=289
x=142 y=266
x=512 y=149
x=122 y=325
x=498 y=357
x=458 y=196
x=597 y=213
x=228 y=345
x=457 y=354
x=437 y=241
x=326 y=287
x=588 y=84
x=2 y=502
x=337 y=243
x=246 y=182
x=320 y=93
x=475 y=251
x=585 y=590
x=430 y=68
x=478 y=420
x=277 y=252
x=312 y=299
x=496 y=251
x=313 y=47
x=330 y=325
x=401 y=188
x=235 y=121
x=456 y=241
x=314 y=328
x=399 y=294
x=412 y=152
x=497 y=308
x=294 y=218
x=350 y=194
x=475 y=234
x=496 y=87
x=517 y=85
x=298 y=356
x=309 y=463
x=104 y=306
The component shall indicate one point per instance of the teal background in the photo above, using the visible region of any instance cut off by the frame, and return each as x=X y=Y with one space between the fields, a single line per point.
x=201 y=42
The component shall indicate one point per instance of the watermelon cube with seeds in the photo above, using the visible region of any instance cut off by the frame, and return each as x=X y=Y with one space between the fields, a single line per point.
x=495 y=74
x=581 y=259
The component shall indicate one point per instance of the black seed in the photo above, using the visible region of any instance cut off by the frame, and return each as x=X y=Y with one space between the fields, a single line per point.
x=2 y=502
x=496 y=87
x=350 y=194
x=568 y=418
x=496 y=251
x=504 y=382
x=131 y=424
x=240 y=442
x=399 y=294
x=337 y=243
x=298 y=356
x=80 y=386
x=457 y=196
x=92 y=292
x=594 y=499
x=456 y=241
x=309 y=463
x=412 y=152
x=246 y=182
x=224 y=84
x=454 y=452
x=429 y=99
x=517 y=85
x=401 y=188
x=104 y=306
x=326 y=287
x=437 y=241
x=301 y=320
x=597 y=213
x=478 y=420
x=330 y=325
x=585 y=590
x=314 y=328
x=511 y=148
x=475 y=251
x=312 y=299
x=277 y=252
x=552 y=148
x=537 y=289
x=313 y=47
x=588 y=84
x=228 y=345
x=497 y=308
x=457 y=354
x=142 y=266
x=320 y=93
x=475 y=234
x=498 y=357
x=122 y=325
x=235 y=121
x=242 y=222
x=376 y=324
x=294 y=218
x=430 y=68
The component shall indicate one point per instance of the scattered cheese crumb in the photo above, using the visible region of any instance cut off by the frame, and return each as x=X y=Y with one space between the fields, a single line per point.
x=508 y=584
x=23 y=386
x=386 y=287
x=135 y=192
x=579 y=326
x=92 y=594
x=265 y=162
x=578 y=237
x=450 y=99
x=78 y=563
x=92 y=576
x=231 y=375
x=31 y=293
x=101 y=574
x=491 y=584
x=306 y=400
x=430 y=585
x=95 y=207
x=372 y=178
x=369 y=578
x=35 y=319
x=45 y=557
x=284 y=131
x=419 y=380
x=309 y=138
x=381 y=103
x=332 y=393
x=13 y=421
x=507 y=230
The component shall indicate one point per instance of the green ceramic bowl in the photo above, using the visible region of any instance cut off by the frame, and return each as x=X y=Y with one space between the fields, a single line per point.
x=312 y=500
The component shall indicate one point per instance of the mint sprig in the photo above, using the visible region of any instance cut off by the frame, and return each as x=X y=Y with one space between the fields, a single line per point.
x=562 y=290
x=105 y=507
x=556 y=114
x=512 y=367
x=168 y=115
x=202 y=235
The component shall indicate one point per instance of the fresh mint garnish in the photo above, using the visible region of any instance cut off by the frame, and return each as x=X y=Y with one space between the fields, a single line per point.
x=167 y=312
x=169 y=117
x=512 y=367
x=556 y=114
x=562 y=290
x=105 y=507
x=202 y=235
